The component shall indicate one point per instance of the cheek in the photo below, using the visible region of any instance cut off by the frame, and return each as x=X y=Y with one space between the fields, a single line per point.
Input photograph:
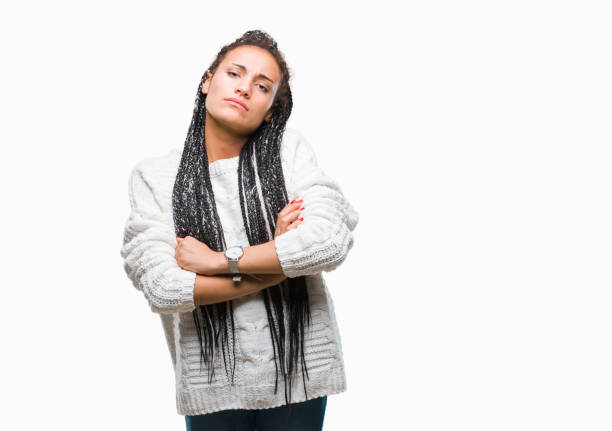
x=219 y=87
x=265 y=103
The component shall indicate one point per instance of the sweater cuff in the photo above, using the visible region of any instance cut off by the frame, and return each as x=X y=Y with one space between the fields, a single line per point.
x=299 y=257
x=187 y=283
x=288 y=248
x=171 y=293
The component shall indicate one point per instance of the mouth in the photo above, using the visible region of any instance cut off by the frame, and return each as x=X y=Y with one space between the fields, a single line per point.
x=237 y=102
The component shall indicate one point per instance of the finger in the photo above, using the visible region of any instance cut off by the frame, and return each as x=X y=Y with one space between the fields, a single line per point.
x=294 y=209
x=291 y=206
x=295 y=224
x=290 y=217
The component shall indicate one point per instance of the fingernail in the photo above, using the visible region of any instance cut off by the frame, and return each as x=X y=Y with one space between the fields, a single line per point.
x=292 y=201
x=301 y=200
x=302 y=208
x=301 y=218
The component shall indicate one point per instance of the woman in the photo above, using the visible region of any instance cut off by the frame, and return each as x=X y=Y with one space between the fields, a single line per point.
x=228 y=238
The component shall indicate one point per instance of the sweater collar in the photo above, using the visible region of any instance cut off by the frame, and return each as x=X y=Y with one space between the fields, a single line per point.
x=221 y=166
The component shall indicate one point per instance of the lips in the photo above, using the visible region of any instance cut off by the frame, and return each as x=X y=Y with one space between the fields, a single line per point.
x=239 y=102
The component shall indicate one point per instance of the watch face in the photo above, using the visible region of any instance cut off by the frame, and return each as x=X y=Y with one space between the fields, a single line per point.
x=234 y=252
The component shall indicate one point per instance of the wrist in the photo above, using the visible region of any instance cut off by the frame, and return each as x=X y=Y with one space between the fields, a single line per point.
x=222 y=266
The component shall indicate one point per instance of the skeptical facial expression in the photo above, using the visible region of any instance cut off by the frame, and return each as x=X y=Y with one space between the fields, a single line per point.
x=250 y=76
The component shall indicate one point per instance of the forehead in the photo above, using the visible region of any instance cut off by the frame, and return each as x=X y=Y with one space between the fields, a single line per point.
x=256 y=60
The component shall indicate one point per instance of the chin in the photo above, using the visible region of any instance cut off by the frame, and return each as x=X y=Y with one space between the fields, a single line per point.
x=232 y=119
x=237 y=125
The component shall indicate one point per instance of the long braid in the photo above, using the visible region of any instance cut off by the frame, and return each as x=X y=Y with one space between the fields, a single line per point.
x=262 y=196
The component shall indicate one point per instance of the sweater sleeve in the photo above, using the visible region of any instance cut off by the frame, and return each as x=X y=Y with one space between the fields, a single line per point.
x=323 y=239
x=149 y=243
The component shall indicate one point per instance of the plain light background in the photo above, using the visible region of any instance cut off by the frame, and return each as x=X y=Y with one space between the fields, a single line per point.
x=472 y=137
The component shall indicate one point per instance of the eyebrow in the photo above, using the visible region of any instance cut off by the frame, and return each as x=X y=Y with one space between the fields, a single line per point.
x=261 y=75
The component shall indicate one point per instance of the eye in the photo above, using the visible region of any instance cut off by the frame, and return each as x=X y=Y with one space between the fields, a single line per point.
x=262 y=87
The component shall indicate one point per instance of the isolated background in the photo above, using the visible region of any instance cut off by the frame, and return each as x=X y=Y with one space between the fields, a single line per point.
x=473 y=138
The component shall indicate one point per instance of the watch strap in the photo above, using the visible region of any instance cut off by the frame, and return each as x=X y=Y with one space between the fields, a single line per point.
x=233 y=266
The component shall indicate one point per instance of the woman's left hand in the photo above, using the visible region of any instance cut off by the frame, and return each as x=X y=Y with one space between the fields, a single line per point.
x=193 y=255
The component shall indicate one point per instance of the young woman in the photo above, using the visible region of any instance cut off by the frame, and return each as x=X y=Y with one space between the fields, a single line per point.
x=228 y=239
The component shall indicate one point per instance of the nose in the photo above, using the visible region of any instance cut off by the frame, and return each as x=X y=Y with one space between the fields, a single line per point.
x=240 y=90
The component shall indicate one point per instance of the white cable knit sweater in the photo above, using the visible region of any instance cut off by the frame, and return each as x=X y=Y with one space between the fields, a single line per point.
x=320 y=243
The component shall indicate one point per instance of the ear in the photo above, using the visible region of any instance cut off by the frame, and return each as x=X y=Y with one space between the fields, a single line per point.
x=268 y=115
x=206 y=83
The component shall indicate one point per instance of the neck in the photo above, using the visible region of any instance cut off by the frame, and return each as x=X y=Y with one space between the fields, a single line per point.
x=221 y=143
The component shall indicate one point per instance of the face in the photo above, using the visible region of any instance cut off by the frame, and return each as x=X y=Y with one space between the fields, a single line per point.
x=251 y=76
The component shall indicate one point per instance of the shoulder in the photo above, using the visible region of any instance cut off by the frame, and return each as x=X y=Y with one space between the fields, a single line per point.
x=158 y=167
x=151 y=181
x=289 y=142
x=295 y=145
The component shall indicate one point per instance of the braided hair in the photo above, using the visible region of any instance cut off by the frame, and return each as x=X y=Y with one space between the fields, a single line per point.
x=195 y=214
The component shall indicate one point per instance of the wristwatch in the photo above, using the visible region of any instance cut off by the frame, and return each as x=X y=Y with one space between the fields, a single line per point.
x=232 y=254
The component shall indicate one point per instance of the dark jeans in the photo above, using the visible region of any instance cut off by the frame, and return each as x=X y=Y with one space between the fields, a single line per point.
x=304 y=416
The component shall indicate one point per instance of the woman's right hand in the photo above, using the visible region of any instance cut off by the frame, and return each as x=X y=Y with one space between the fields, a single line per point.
x=288 y=219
